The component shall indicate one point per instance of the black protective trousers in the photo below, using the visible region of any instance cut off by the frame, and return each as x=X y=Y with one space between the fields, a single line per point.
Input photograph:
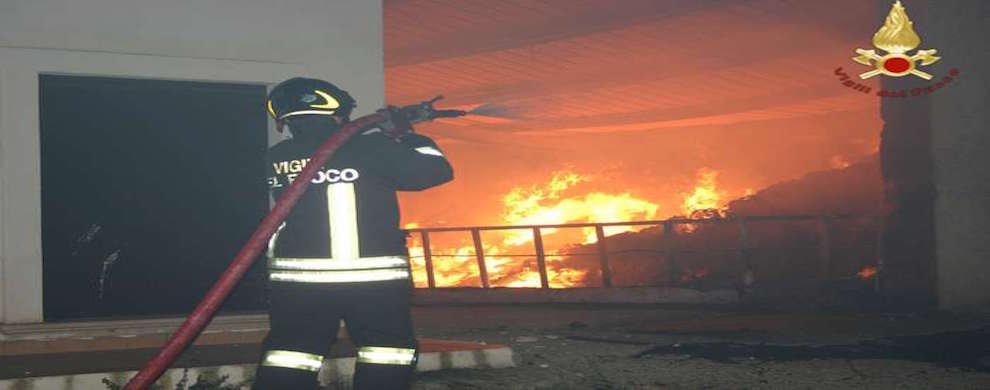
x=305 y=319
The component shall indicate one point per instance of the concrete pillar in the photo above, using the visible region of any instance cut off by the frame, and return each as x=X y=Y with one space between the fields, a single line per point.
x=935 y=151
x=907 y=278
x=961 y=149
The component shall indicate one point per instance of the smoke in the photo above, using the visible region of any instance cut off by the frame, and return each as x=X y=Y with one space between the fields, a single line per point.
x=489 y=109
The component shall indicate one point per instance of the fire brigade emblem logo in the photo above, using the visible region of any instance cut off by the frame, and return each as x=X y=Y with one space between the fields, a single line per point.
x=897 y=38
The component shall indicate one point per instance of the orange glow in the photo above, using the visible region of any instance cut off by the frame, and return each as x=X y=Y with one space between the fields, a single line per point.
x=867 y=272
x=695 y=274
x=769 y=113
x=839 y=162
x=628 y=127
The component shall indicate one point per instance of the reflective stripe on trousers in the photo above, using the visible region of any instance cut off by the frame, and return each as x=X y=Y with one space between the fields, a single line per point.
x=386 y=355
x=293 y=359
x=321 y=270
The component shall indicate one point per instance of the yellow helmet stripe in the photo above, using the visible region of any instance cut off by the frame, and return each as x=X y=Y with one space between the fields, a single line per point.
x=331 y=102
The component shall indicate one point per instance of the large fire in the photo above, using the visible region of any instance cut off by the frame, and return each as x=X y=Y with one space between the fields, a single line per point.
x=510 y=254
x=548 y=204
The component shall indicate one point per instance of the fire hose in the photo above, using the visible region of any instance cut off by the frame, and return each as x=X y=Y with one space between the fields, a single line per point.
x=208 y=306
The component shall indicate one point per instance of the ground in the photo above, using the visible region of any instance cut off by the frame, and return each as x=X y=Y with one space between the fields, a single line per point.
x=571 y=346
x=636 y=347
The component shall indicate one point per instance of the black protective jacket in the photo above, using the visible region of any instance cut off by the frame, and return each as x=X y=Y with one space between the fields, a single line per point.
x=351 y=203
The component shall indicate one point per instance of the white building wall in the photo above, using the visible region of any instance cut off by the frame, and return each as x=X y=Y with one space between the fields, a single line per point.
x=243 y=41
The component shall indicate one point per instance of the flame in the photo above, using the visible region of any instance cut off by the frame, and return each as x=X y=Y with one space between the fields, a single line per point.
x=545 y=204
x=704 y=201
x=558 y=275
x=551 y=203
x=458 y=267
x=451 y=266
x=897 y=34
x=526 y=206
x=867 y=272
x=705 y=195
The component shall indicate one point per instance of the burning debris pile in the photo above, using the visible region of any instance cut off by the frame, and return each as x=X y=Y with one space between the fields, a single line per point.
x=712 y=253
x=509 y=254
x=706 y=247
x=571 y=256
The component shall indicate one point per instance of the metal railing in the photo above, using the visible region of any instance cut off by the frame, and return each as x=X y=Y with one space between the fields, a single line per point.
x=823 y=224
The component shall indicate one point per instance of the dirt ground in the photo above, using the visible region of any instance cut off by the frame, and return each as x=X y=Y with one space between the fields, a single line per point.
x=589 y=347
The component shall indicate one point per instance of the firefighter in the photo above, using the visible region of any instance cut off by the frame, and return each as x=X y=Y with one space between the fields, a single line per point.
x=340 y=253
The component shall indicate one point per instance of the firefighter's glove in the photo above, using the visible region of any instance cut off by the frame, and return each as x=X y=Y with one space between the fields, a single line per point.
x=396 y=124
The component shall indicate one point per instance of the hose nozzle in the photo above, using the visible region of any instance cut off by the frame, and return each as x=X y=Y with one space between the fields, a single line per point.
x=424 y=111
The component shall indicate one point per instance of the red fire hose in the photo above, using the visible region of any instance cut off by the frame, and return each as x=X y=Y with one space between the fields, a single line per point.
x=204 y=312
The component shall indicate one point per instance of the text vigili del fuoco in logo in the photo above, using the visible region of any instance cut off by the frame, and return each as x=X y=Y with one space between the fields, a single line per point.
x=896 y=38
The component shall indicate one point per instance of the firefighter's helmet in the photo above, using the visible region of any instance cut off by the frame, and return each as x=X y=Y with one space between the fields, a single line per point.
x=303 y=96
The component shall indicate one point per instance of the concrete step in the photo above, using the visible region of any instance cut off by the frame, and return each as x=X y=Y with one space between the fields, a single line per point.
x=336 y=373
